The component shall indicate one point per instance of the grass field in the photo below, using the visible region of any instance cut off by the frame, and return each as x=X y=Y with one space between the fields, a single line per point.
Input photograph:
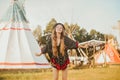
x=99 y=73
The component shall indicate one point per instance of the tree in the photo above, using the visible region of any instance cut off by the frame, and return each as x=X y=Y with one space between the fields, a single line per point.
x=37 y=34
x=71 y=30
x=49 y=26
x=82 y=35
x=96 y=35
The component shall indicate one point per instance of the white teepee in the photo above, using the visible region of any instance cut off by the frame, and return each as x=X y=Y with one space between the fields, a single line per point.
x=102 y=58
x=17 y=44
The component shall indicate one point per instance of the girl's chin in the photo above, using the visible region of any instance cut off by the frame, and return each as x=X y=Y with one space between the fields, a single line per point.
x=59 y=32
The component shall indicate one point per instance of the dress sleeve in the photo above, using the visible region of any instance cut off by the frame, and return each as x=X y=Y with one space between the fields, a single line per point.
x=70 y=44
x=44 y=50
x=47 y=47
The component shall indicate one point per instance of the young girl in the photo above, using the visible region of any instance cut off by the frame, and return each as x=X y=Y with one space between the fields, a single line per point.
x=57 y=47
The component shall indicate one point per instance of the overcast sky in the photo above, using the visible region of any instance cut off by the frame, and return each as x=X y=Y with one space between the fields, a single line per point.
x=90 y=14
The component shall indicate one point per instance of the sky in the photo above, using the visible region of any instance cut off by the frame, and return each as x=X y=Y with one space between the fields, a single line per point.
x=100 y=15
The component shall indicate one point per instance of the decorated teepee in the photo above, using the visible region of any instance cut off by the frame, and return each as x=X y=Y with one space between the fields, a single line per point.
x=17 y=44
x=109 y=55
x=113 y=54
x=102 y=58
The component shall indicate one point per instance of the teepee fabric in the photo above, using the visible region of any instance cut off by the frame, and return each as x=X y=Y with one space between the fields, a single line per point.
x=113 y=54
x=108 y=55
x=17 y=44
x=102 y=58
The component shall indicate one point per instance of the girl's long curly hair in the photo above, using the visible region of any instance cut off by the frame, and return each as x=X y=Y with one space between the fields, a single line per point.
x=54 y=40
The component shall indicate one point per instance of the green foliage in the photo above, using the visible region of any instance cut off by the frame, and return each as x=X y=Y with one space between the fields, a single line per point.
x=50 y=26
x=97 y=35
x=38 y=33
x=74 y=30
x=82 y=35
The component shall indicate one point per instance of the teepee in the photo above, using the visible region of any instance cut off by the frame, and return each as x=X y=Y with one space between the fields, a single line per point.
x=113 y=54
x=17 y=44
x=102 y=58
x=109 y=55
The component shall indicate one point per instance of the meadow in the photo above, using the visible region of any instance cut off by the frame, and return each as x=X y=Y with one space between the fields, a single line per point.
x=97 y=73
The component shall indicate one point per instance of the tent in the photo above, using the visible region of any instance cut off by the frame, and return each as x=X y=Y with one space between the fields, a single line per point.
x=102 y=57
x=113 y=54
x=17 y=44
x=108 y=55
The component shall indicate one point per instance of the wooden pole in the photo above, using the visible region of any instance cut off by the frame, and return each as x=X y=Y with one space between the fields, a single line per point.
x=117 y=28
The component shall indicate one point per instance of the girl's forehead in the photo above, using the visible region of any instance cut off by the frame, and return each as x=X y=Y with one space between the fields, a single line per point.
x=59 y=26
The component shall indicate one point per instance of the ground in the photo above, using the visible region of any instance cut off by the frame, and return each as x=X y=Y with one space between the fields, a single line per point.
x=97 y=73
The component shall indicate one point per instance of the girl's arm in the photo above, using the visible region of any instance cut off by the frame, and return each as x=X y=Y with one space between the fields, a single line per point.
x=40 y=53
x=82 y=46
x=45 y=49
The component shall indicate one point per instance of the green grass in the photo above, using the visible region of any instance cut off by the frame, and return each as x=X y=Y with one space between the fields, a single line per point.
x=108 y=73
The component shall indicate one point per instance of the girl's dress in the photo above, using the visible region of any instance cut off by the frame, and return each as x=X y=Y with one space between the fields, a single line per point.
x=60 y=62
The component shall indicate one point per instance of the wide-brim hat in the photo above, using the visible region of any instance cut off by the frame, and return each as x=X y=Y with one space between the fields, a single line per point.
x=59 y=24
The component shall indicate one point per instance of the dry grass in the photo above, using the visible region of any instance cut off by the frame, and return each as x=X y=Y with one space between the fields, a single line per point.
x=108 y=73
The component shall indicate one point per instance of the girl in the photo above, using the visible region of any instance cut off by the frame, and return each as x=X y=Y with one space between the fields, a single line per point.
x=57 y=47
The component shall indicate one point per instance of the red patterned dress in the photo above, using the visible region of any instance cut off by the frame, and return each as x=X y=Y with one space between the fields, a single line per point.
x=60 y=62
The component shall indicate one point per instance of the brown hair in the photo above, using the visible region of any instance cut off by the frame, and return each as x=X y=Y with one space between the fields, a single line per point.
x=54 y=40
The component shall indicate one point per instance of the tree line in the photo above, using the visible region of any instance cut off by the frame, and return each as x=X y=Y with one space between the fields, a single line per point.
x=74 y=31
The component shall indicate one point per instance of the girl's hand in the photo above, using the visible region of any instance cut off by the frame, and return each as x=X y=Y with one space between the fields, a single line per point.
x=38 y=54
x=83 y=46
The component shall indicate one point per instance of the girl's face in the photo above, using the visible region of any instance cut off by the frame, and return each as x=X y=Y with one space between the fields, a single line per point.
x=59 y=29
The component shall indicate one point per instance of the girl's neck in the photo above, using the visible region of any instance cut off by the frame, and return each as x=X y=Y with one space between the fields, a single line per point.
x=58 y=35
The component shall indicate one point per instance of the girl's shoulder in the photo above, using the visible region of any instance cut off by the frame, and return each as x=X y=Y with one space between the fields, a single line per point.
x=48 y=38
x=66 y=38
